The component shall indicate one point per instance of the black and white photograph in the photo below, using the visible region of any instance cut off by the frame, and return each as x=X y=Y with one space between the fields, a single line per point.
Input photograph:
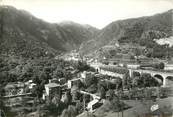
x=86 y=58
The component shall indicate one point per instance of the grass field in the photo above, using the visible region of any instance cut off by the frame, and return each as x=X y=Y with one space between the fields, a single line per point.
x=142 y=109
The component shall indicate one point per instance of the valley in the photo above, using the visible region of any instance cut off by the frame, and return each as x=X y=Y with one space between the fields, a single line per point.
x=76 y=70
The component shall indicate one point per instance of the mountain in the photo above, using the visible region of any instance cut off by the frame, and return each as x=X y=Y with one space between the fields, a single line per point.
x=28 y=36
x=78 y=33
x=136 y=30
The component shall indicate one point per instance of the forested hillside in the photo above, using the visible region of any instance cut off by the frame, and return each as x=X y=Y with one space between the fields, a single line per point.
x=141 y=31
x=27 y=36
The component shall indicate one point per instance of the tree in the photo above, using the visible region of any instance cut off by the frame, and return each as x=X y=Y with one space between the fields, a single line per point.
x=135 y=81
x=56 y=100
x=101 y=84
x=118 y=82
x=64 y=113
x=2 y=106
x=58 y=73
x=114 y=104
x=102 y=93
x=54 y=106
x=110 y=93
x=43 y=76
x=82 y=66
x=4 y=110
x=36 y=79
x=68 y=98
x=86 y=98
x=92 y=88
x=70 y=112
x=159 y=66
x=79 y=84
x=79 y=107
x=67 y=74
x=90 y=80
x=37 y=91
x=136 y=74
x=146 y=78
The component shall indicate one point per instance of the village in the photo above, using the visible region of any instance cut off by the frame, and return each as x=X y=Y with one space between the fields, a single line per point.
x=89 y=90
x=86 y=58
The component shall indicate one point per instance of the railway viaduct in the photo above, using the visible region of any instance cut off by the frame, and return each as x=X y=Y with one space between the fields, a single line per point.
x=163 y=76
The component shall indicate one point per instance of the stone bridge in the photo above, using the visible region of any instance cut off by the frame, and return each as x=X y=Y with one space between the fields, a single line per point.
x=165 y=77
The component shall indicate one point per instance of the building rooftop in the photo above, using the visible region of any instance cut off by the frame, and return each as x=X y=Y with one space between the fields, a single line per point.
x=13 y=85
x=51 y=85
x=93 y=102
x=75 y=79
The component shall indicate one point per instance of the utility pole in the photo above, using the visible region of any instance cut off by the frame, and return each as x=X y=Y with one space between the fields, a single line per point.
x=84 y=102
x=122 y=111
x=167 y=52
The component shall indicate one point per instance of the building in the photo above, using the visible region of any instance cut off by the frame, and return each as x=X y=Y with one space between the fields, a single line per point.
x=133 y=66
x=168 y=67
x=73 y=56
x=52 y=88
x=94 y=104
x=86 y=74
x=14 y=89
x=30 y=84
x=70 y=83
x=145 y=60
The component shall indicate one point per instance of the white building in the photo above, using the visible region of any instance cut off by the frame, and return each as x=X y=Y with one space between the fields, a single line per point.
x=93 y=105
x=86 y=74
x=30 y=84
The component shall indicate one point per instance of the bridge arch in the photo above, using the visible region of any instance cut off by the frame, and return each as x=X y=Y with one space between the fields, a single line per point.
x=159 y=78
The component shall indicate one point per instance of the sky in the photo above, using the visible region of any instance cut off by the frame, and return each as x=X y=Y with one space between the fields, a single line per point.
x=98 y=13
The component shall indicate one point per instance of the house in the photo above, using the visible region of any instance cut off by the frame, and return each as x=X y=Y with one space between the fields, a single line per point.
x=30 y=84
x=70 y=83
x=52 y=88
x=14 y=88
x=83 y=74
x=72 y=56
x=86 y=74
x=94 y=104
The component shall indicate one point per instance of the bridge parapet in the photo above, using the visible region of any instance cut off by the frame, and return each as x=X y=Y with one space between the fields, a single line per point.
x=164 y=75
